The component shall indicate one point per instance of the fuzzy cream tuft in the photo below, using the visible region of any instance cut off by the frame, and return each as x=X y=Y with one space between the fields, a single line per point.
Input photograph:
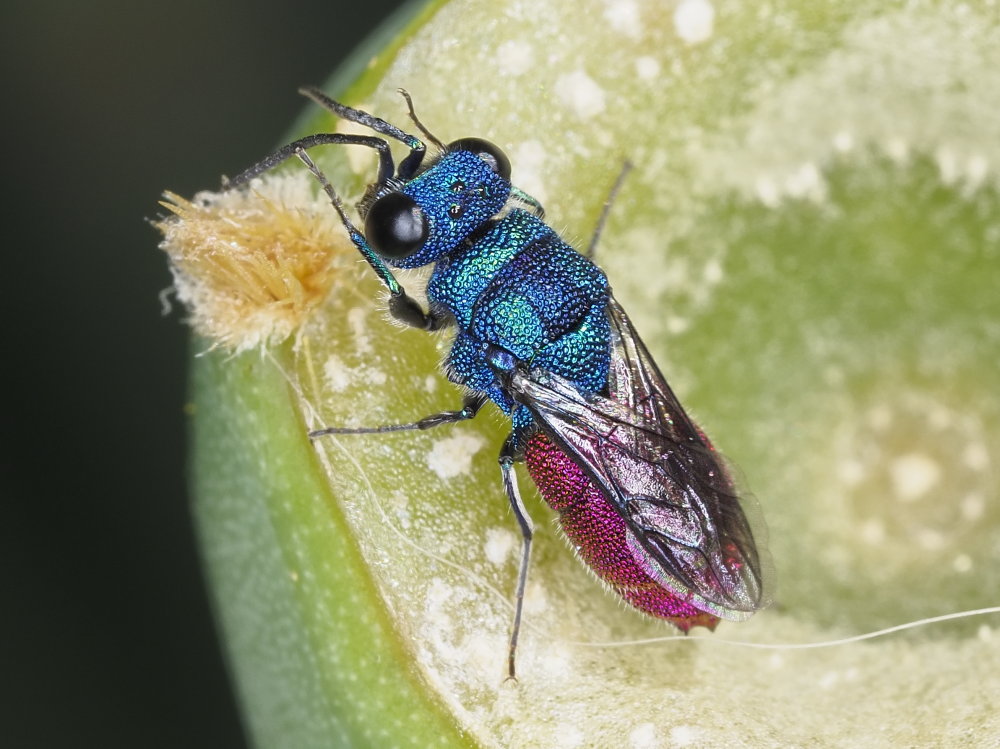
x=251 y=265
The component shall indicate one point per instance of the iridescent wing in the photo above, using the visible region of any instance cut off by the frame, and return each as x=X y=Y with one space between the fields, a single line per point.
x=687 y=530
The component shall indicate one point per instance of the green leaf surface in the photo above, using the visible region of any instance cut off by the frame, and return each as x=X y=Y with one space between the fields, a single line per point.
x=809 y=244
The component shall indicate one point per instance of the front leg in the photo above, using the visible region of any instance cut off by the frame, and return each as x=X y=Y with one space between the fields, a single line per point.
x=404 y=308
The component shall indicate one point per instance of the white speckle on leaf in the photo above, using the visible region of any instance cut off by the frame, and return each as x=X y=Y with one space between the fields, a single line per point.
x=962 y=563
x=438 y=593
x=767 y=191
x=536 y=599
x=843 y=141
x=375 y=376
x=498 y=546
x=682 y=736
x=515 y=57
x=930 y=540
x=913 y=475
x=873 y=532
x=947 y=162
x=713 y=272
x=972 y=506
x=557 y=662
x=336 y=374
x=430 y=383
x=452 y=456
x=581 y=94
x=568 y=736
x=623 y=16
x=530 y=157
x=897 y=149
x=356 y=319
x=806 y=182
x=643 y=736
x=976 y=170
x=399 y=506
x=976 y=456
x=677 y=325
x=694 y=20
x=647 y=68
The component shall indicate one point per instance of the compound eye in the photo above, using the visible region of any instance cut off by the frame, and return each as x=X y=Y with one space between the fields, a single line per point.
x=395 y=226
x=495 y=158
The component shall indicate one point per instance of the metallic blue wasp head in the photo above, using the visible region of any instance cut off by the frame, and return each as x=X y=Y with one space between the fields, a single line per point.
x=438 y=209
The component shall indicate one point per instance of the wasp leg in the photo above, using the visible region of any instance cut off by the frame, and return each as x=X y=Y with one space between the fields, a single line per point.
x=606 y=209
x=401 y=305
x=470 y=407
x=508 y=454
x=405 y=308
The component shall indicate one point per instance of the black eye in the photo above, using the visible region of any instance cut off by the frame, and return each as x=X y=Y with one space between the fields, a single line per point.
x=455 y=211
x=495 y=158
x=457 y=186
x=395 y=226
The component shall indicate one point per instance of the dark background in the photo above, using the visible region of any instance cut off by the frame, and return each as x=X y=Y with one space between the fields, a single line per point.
x=105 y=634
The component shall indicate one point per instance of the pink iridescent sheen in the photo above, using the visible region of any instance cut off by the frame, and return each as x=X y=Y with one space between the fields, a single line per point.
x=600 y=535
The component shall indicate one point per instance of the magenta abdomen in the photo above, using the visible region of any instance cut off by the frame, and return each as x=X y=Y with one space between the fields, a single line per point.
x=600 y=535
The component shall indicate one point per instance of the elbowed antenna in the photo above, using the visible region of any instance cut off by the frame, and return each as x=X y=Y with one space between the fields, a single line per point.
x=408 y=166
x=385 y=170
x=416 y=120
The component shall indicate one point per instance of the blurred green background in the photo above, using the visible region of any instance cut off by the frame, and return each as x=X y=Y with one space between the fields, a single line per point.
x=105 y=633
